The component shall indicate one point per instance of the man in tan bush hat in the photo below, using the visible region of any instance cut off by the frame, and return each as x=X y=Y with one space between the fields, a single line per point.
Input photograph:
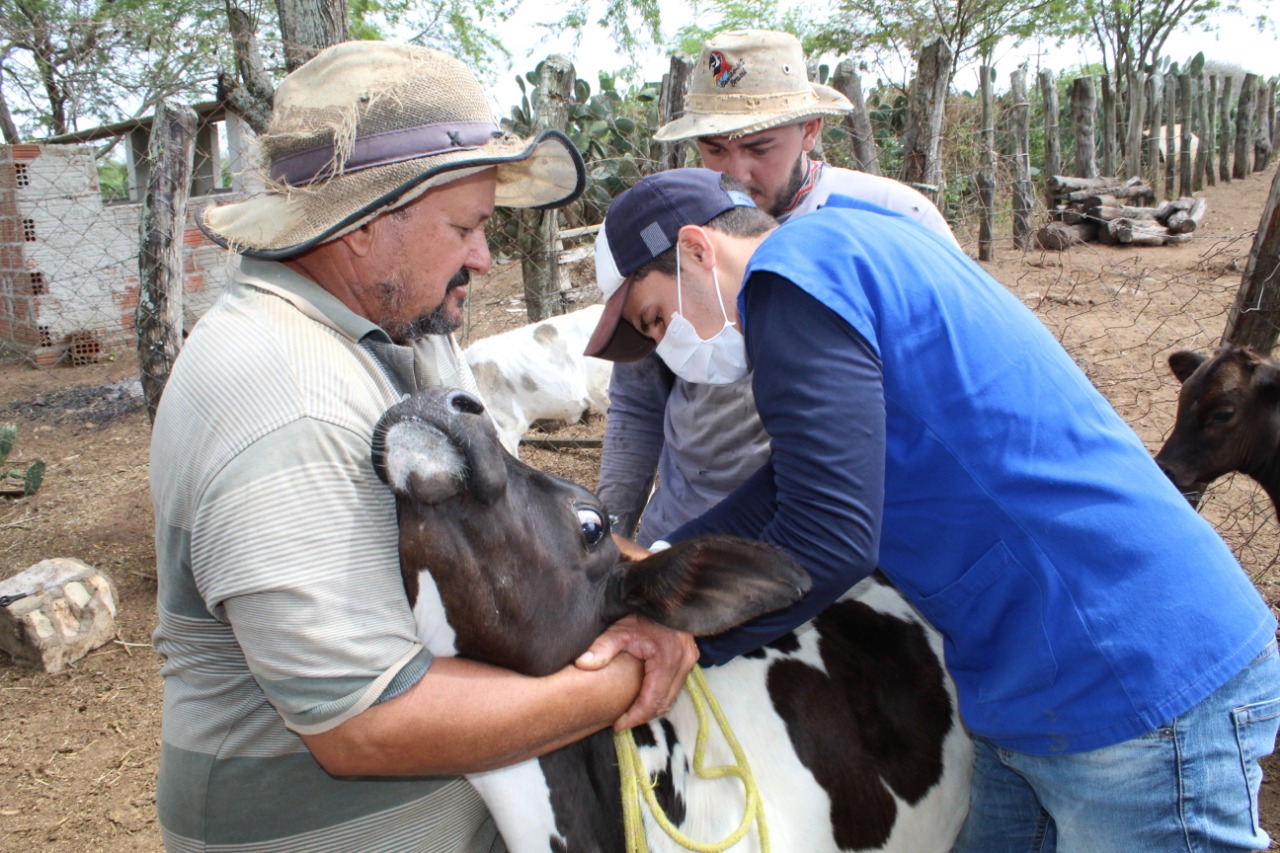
x=754 y=115
x=296 y=687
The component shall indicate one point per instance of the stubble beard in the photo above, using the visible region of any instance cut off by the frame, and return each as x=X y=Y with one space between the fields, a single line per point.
x=436 y=322
x=788 y=192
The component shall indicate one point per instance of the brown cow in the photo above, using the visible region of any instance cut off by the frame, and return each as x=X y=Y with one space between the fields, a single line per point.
x=1228 y=420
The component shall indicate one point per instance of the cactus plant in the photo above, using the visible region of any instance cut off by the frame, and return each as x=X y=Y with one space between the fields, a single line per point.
x=23 y=481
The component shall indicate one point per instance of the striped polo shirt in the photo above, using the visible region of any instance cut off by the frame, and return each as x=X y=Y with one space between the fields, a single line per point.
x=281 y=609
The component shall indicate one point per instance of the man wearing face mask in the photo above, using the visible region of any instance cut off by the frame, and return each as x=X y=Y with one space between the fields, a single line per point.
x=755 y=116
x=1115 y=665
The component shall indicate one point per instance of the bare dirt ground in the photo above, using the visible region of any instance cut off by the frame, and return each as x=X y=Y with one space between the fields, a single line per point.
x=78 y=750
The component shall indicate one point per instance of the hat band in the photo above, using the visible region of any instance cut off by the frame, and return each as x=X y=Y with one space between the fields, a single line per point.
x=743 y=104
x=381 y=149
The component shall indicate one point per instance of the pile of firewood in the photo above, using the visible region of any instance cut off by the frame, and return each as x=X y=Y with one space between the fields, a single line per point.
x=1106 y=210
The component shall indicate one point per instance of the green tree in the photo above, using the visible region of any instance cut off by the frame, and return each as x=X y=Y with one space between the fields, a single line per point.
x=1131 y=34
x=63 y=61
x=745 y=14
x=972 y=28
x=463 y=27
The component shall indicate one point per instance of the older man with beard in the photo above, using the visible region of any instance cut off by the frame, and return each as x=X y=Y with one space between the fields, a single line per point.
x=301 y=711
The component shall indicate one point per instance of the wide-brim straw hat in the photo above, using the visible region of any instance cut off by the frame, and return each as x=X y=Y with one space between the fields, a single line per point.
x=365 y=127
x=747 y=81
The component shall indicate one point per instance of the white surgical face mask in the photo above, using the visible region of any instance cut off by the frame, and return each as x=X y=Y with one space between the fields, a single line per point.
x=718 y=360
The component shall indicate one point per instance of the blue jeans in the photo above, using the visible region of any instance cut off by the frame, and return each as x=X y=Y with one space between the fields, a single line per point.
x=1189 y=786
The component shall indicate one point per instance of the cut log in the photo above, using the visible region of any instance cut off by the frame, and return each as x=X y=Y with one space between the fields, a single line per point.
x=1186 y=221
x=1057 y=236
x=1138 y=232
x=1136 y=191
x=1087 y=197
x=1162 y=210
x=1108 y=212
x=1103 y=200
x=1107 y=195
x=1066 y=183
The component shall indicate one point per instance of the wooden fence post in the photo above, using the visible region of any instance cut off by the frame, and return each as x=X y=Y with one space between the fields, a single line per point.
x=1084 y=110
x=540 y=234
x=1244 y=125
x=1184 y=144
x=1209 y=144
x=1155 y=123
x=1109 y=160
x=987 y=174
x=1271 y=115
x=1255 y=316
x=1262 y=138
x=848 y=82
x=158 y=318
x=1225 y=131
x=675 y=83
x=1198 y=127
x=921 y=164
x=1170 y=138
x=1023 y=199
x=813 y=69
x=1052 y=138
x=1133 y=139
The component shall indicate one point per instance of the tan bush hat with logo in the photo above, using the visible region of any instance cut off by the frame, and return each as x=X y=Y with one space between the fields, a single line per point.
x=747 y=81
x=365 y=127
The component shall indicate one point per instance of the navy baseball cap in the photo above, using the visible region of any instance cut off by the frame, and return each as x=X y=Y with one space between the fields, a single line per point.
x=642 y=223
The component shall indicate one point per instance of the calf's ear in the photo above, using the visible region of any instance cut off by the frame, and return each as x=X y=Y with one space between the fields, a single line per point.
x=709 y=584
x=1183 y=363
x=1266 y=378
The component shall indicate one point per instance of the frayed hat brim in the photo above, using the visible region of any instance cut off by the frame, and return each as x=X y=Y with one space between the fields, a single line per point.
x=282 y=222
x=725 y=117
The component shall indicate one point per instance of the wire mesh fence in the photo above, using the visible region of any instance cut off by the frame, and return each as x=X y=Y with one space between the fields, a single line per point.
x=69 y=291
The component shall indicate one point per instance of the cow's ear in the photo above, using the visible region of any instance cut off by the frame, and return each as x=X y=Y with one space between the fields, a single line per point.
x=1183 y=363
x=1266 y=379
x=710 y=584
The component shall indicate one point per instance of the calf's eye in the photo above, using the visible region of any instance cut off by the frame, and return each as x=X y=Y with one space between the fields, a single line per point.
x=1222 y=416
x=593 y=526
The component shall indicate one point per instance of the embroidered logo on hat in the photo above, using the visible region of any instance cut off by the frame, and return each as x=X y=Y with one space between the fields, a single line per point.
x=725 y=73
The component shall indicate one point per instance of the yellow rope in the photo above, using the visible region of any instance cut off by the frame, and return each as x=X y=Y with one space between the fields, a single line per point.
x=636 y=783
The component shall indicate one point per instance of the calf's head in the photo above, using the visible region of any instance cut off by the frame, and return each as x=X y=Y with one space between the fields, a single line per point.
x=1228 y=419
x=524 y=561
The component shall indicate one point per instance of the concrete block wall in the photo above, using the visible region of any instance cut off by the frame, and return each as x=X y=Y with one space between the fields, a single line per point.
x=69 y=263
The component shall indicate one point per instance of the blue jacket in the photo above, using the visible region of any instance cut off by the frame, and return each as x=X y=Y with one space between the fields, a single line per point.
x=1083 y=602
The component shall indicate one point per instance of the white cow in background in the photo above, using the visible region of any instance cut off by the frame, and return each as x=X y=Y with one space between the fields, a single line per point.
x=1177 y=141
x=538 y=373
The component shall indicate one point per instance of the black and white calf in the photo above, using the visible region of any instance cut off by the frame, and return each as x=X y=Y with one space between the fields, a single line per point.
x=850 y=723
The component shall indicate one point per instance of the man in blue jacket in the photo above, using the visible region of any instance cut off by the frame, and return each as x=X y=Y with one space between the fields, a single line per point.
x=1115 y=665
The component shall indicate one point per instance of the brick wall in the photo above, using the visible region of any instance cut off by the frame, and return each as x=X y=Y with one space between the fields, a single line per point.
x=69 y=264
